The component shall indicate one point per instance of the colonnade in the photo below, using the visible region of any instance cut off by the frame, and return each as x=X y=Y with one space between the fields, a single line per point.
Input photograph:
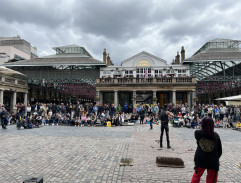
x=190 y=97
x=13 y=100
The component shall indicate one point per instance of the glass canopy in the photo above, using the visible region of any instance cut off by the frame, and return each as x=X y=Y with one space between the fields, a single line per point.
x=71 y=49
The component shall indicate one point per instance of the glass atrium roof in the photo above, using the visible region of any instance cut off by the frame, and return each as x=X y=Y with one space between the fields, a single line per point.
x=71 y=49
x=218 y=58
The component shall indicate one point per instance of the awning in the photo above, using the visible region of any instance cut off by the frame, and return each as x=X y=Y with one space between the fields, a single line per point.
x=228 y=103
x=232 y=98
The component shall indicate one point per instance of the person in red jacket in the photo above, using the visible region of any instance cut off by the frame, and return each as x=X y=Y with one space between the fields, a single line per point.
x=208 y=152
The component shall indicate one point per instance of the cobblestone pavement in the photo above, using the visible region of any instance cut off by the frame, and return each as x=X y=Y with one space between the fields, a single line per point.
x=92 y=154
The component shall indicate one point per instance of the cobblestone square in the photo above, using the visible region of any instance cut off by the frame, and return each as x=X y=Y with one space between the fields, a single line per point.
x=92 y=154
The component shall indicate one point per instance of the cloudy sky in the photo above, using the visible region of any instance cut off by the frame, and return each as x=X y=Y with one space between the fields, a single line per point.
x=123 y=27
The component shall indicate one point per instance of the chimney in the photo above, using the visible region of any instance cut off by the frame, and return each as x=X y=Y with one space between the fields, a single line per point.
x=178 y=58
x=104 y=56
x=183 y=54
x=108 y=60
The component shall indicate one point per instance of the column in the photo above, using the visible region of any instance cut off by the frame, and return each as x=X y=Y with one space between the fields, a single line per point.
x=154 y=97
x=194 y=96
x=25 y=99
x=174 y=99
x=1 y=96
x=116 y=98
x=209 y=99
x=189 y=100
x=101 y=98
x=97 y=94
x=97 y=100
x=13 y=100
x=134 y=99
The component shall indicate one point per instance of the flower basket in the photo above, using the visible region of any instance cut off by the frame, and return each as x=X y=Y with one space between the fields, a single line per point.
x=97 y=98
x=155 y=99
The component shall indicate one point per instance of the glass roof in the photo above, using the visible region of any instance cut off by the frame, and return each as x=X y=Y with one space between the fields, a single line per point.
x=216 y=60
x=229 y=44
x=71 y=49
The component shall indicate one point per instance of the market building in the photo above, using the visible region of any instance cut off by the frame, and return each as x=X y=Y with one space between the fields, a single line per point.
x=145 y=78
x=217 y=69
x=69 y=75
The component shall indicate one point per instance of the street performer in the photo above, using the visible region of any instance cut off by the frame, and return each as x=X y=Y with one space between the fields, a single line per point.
x=164 y=125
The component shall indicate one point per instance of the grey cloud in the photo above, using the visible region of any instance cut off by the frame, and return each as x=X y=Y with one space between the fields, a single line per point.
x=115 y=19
x=123 y=27
x=34 y=12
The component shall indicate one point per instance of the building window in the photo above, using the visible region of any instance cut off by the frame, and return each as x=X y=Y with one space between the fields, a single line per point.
x=141 y=72
x=106 y=73
x=158 y=73
x=129 y=73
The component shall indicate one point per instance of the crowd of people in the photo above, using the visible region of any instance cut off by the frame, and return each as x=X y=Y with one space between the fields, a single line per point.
x=90 y=114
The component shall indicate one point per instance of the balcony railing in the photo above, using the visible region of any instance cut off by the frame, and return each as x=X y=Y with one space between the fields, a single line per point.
x=163 y=80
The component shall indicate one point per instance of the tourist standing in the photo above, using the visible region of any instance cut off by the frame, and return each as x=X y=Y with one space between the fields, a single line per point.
x=4 y=119
x=208 y=152
x=164 y=125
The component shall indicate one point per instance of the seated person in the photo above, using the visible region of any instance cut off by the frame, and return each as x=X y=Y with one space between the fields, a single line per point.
x=230 y=122
x=83 y=120
x=39 y=119
x=134 y=118
x=93 y=119
x=193 y=123
x=102 y=118
x=88 y=120
x=118 y=120
x=175 y=121
x=181 y=121
x=24 y=123
x=238 y=126
x=179 y=114
x=67 y=119
x=58 y=118
x=187 y=120
x=124 y=117
x=146 y=119
x=29 y=124
x=128 y=117
x=44 y=121
x=225 y=122
x=53 y=119
x=34 y=122
x=217 y=123
x=105 y=122
x=77 y=121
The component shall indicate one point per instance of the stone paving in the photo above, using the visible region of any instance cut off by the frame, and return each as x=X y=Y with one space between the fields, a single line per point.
x=92 y=154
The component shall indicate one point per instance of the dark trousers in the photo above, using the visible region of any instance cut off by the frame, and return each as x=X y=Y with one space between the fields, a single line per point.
x=4 y=122
x=151 y=125
x=141 y=120
x=166 y=128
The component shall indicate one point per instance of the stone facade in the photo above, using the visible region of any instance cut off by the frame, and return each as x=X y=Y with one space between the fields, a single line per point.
x=145 y=78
